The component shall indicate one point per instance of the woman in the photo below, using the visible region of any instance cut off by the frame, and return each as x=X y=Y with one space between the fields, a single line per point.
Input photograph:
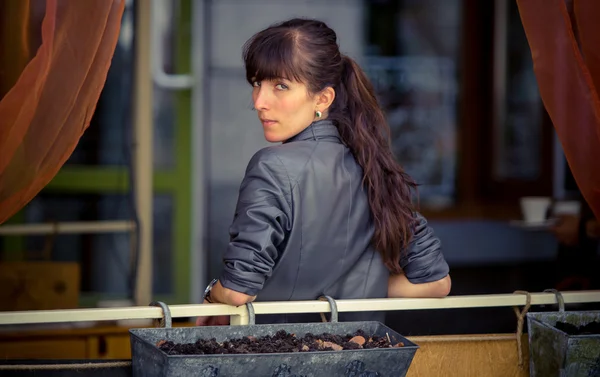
x=328 y=211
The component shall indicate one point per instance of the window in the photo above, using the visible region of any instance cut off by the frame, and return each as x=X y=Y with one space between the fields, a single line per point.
x=95 y=182
x=105 y=259
x=413 y=55
x=521 y=161
x=456 y=81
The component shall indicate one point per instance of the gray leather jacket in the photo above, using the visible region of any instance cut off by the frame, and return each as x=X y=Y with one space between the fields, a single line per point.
x=302 y=228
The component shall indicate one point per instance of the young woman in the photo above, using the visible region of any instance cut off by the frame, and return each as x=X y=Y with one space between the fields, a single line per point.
x=328 y=211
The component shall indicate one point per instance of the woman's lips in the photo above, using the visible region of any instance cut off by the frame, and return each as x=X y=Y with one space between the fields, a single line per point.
x=268 y=122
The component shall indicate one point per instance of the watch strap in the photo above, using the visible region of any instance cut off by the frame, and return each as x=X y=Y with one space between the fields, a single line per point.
x=209 y=287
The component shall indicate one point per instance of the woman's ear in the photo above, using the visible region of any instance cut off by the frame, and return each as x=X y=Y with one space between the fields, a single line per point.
x=325 y=99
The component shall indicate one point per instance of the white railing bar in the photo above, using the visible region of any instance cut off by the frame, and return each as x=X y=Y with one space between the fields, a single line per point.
x=110 y=226
x=177 y=311
x=450 y=302
x=114 y=314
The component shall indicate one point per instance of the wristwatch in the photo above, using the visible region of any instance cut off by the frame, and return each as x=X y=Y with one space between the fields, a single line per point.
x=209 y=287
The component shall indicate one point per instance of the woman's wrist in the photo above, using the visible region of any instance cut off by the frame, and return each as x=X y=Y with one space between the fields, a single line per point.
x=217 y=294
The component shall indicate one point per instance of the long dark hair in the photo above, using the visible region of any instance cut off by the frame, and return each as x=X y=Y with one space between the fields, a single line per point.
x=307 y=51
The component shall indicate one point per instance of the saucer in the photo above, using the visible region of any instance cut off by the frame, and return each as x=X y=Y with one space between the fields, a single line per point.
x=533 y=225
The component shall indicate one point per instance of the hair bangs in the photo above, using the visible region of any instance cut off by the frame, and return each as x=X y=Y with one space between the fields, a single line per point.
x=272 y=56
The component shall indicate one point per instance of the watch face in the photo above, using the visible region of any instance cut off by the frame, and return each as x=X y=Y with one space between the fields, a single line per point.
x=209 y=287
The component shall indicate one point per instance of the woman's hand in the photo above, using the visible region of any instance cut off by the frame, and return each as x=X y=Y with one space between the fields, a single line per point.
x=221 y=320
x=400 y=287
x=222 y=295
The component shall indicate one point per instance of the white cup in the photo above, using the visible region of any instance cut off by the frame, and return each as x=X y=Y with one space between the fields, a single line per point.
x=534 y=208
x=566 y=207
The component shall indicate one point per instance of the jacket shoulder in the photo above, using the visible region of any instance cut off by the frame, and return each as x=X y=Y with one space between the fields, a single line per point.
x=291 y=158
x=265 y=173
x=266 y=155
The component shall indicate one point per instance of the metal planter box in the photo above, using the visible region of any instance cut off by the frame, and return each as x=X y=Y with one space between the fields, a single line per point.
x=65 y=368
x=553 y=352
x=148 y=360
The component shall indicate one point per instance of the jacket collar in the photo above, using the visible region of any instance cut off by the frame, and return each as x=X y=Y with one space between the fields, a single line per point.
x=318 y=130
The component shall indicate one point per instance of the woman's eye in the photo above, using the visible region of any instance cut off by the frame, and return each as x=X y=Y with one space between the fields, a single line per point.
x=281 y=86
x=256 y=83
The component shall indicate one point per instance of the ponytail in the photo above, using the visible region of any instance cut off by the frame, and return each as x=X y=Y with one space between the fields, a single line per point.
x=364 y=130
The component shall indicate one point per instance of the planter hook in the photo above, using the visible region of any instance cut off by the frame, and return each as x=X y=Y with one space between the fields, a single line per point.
x=166 y=320
x=334 y=309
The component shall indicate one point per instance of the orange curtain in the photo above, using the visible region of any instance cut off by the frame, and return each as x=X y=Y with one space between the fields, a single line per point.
x=565 y=45
x=45 y=112
x=14 y=41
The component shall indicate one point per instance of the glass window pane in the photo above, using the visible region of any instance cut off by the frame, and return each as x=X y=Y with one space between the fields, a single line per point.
x=104 y=258
x=165 y=99
x=412 y=58
x=519 y=116
x=106 y=140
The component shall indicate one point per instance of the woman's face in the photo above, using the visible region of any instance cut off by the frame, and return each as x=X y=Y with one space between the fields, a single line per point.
x=285 y=108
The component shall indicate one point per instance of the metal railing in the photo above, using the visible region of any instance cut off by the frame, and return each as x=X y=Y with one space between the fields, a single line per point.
x=68 y=228
x=239 y=315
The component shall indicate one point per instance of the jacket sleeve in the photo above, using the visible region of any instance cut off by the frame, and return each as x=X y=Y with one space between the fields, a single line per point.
x=260 y=226
x=423 y=261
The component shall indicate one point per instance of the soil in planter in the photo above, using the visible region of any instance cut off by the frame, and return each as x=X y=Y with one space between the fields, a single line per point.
x=282 y=341
x=592 y=328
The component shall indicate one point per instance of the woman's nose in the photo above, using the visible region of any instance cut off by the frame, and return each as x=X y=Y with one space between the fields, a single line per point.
x=261 y=99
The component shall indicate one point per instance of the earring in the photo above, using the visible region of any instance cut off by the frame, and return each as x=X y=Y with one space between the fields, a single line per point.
x=318 y=114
